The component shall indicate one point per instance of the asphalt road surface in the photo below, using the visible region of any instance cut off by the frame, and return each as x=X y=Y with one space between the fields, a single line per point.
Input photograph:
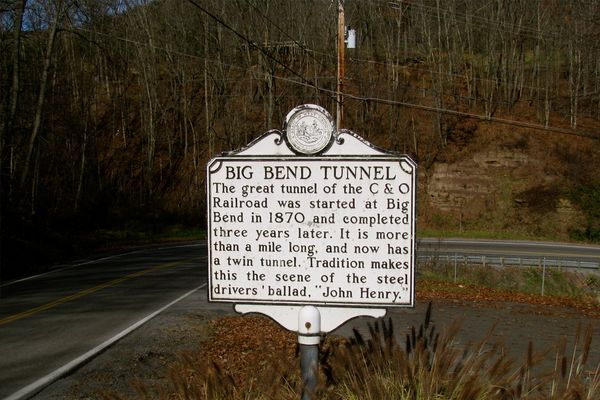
x=50 y=320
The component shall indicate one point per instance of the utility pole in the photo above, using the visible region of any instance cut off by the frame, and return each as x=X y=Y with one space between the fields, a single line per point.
x=341 y=47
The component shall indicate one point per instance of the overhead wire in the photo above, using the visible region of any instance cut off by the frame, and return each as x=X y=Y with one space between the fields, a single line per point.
x=441 y=110
x=307 y=83
x=250 y=43
x=431 y=71
x=425 y=70
x=312 y=51
x=284 y=32
x=483 y=22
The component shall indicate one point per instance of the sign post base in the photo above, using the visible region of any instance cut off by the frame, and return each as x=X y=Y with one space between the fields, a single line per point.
x=309 y=331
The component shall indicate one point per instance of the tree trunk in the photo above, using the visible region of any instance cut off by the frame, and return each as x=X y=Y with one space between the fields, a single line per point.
x=40 y=101
x=15 y=82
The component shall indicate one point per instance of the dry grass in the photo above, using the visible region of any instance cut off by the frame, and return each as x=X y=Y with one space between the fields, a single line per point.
x=428 y=364
x=566 y=288
x=431 y=365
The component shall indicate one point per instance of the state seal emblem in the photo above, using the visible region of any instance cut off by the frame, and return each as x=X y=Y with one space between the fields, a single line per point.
x=309 y=129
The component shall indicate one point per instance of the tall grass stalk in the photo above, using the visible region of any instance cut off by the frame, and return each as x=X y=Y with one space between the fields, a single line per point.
x=428 y=364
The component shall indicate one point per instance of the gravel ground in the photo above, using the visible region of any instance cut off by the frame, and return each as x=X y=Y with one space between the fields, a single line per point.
x=146 y=354
x=143 y=355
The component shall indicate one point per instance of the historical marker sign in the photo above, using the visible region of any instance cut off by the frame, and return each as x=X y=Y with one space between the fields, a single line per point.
x=332 y=227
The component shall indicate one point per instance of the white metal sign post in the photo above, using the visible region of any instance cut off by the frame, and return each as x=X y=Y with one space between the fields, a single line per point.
x=312 y=227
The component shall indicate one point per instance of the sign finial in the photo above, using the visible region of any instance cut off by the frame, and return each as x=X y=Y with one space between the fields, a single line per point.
x=309 y=129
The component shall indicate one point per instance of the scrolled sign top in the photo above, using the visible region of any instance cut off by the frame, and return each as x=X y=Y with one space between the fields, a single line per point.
x=309 y=129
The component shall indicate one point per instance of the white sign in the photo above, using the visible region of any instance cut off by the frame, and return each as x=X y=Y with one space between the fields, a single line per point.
x=322 y=230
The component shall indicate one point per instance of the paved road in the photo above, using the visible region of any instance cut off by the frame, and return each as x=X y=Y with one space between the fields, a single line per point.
x=49 y=320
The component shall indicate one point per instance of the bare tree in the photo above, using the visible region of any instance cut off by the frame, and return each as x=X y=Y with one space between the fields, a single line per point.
x=58 y=11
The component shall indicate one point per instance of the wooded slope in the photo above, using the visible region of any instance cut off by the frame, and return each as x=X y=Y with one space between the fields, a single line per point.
x=111 y=108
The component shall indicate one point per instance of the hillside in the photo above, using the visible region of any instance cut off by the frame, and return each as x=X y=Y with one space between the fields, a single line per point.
x=522 y=184
x=111 y=110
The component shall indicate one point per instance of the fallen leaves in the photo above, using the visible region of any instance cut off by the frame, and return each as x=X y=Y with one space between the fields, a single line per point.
x=428 y=290
x=241 y=346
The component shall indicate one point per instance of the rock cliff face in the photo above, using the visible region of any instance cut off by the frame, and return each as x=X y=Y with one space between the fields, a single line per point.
x=469 y=182
x=497 y=189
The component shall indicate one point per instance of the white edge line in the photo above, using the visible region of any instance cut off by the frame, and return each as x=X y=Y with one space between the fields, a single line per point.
x=35 y=387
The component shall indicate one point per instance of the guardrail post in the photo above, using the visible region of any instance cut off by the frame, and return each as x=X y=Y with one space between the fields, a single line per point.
x=455 y=262
x=543 y=276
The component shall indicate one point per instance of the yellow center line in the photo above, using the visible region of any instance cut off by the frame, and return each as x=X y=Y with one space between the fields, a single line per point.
x=91 y=290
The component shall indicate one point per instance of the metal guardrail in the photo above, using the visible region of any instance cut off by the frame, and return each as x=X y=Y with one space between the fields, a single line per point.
x=541 y=256
x=484 y=260
x=588 y=267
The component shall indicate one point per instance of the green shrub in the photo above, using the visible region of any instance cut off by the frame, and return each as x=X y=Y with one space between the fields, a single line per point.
x=587 y=199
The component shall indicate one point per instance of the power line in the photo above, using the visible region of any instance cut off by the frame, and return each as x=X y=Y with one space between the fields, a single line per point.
x=250 y=43
x=422 y=107
x=484 y=24
x=482 y=21
x=309 y=51
x=176 y=52
x=297 y=43
x=307 y=83
x=426 y=70
x=477 y=116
